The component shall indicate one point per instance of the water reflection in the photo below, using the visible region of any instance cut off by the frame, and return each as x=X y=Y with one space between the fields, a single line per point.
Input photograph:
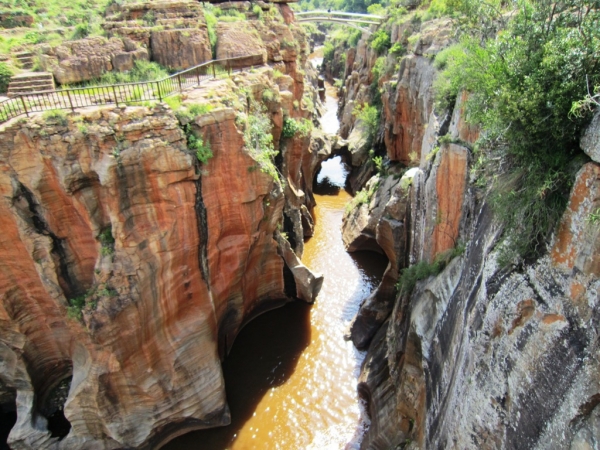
x=333 y=173
x=329 y=122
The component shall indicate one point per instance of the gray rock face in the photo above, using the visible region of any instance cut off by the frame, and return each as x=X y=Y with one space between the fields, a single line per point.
x=486 y=357
x=379 y=225
x=307 y=283
x=590 y=142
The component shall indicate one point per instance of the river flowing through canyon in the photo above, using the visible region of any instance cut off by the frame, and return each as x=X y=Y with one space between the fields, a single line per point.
x=291 y=377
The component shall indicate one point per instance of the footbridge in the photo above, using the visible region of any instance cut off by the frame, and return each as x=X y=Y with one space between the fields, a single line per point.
x=354 y=20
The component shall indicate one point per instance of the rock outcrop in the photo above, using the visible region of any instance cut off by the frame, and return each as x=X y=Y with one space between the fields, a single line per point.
x=590 y=142
x=140 y=355
x=180 y=49
x=238 y=39
x=86 y=59
x=380 y=225
x=480 y=355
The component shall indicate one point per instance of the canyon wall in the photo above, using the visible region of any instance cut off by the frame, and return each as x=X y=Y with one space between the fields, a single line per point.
x=129 y=267
x=480 y=355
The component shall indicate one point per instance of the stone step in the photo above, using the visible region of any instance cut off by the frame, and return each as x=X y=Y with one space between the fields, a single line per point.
x=41 y=76
x=30 y=82
x=32 y=86
x=32 y=90
x=25 y=59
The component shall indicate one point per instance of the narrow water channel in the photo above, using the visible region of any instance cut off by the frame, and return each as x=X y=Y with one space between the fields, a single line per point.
x=290 y=377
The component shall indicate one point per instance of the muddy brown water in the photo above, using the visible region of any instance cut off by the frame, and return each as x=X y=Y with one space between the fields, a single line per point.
x=291 y=377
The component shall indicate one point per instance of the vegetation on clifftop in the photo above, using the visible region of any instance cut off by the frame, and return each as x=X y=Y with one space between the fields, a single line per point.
x=49 y=21
x=259 y=139
x=531 y=69
x=523 y=73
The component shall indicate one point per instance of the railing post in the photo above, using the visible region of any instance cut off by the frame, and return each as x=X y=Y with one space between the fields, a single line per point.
x=179 y=82
x=198 y=75
x=70 y=102
x=24 y=105
x=115 y=94
x=158 y=89
x=213 y=68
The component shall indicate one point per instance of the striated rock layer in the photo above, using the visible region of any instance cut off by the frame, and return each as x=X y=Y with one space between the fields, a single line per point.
x=128 y=271
x=140 y=353
x=482 y=356
x=129 y=267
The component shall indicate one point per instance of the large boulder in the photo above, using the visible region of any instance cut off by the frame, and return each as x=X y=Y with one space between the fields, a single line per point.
x=239 y=39
x=86 y=59
x=180 y=49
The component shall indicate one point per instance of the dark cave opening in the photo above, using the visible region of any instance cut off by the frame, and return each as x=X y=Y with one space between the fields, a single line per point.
x=8 y=418
x=53 y=409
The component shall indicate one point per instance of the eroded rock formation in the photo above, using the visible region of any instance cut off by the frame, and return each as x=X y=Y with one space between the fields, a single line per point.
x=130 y=267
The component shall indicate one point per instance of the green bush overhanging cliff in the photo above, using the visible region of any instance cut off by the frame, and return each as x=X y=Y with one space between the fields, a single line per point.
x=523 y=79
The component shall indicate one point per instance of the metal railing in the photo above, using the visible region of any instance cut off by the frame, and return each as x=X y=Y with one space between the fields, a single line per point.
x=124 y=93
x=353 y=20
x=338 y=16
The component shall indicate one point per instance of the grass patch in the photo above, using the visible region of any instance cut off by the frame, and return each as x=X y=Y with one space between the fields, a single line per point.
x=362 y=197
x=293 y=127
x=259 y=139
x=380 y=41
x=197 y=145
x=422 y=270
x=5 y=75
x=107 y=241
x=594 y=217
x=370 y=116
x=55 y=116
x=189 y=112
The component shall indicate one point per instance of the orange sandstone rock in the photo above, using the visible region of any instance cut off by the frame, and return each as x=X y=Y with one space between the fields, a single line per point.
x=242 y=206
x=450 y=185
x=459 y=128
x=406 y=112
x=577 y=242
x=185 y=262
